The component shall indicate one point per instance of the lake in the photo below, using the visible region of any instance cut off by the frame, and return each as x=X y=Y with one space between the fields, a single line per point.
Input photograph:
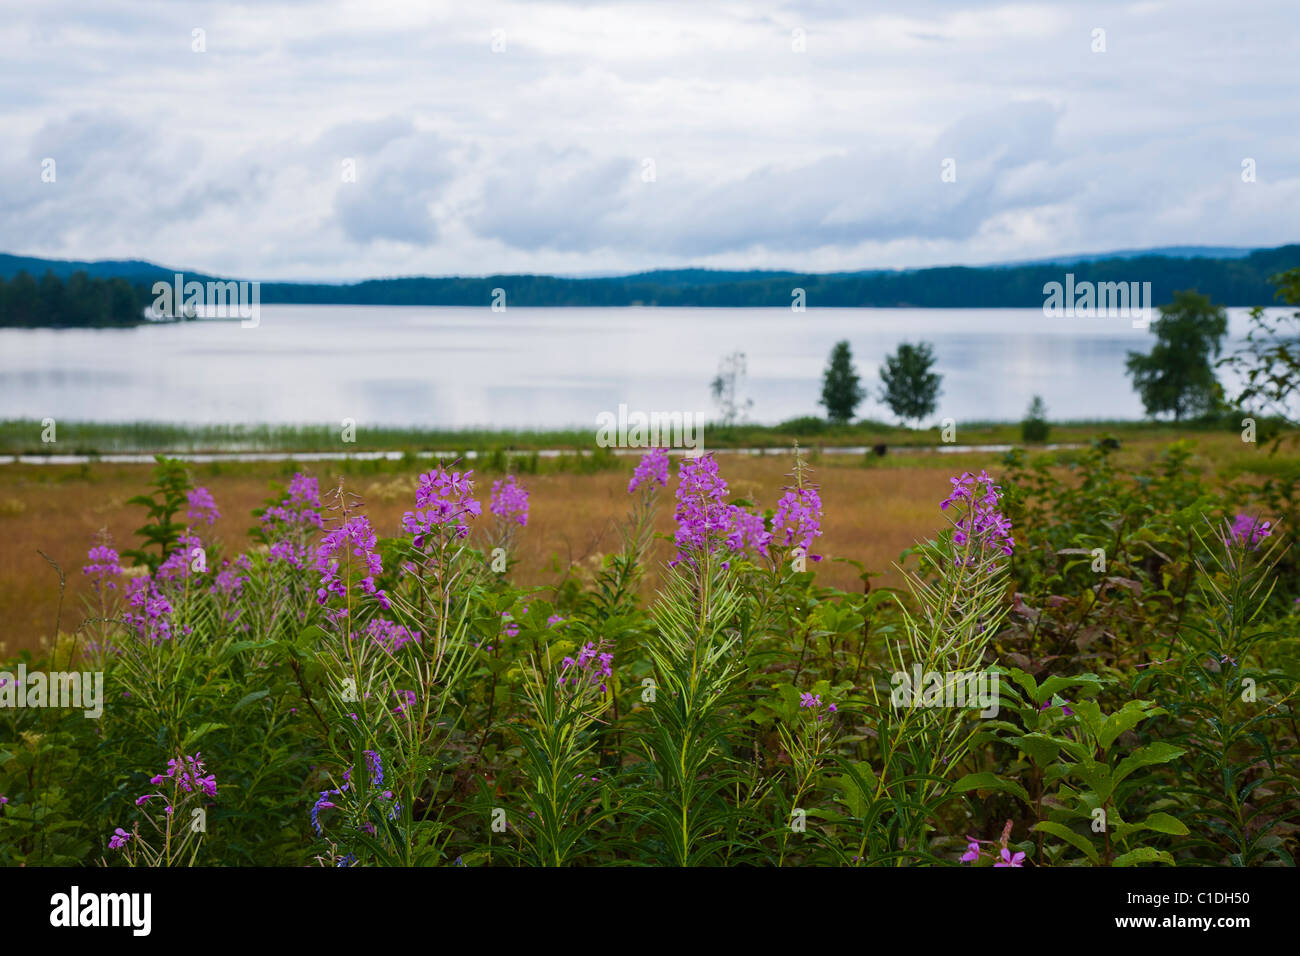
x=471 y=367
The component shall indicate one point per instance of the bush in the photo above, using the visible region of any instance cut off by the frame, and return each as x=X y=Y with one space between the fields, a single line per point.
x=1035 y=427
x=804 y=425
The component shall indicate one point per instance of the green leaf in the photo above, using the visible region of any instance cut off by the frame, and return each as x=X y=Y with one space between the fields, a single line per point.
x=238 y=647
x=1077 y=840
x=1055 y=684
x=1132 y=714
x=1089 y=714
x=1164 y=823
x=196 y=733
x=1097 y=776
x=1145 y=757
x=855 y=792
x=990 y=781
x=1026 y=681
x=1143 y=854
x=249 y=698
x=853 y=798
x=1042 y=748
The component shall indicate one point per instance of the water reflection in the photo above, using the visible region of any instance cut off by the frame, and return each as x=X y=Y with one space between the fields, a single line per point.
x=455 y=367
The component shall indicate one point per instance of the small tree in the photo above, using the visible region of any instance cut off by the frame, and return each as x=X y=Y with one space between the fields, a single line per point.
x=1177 y=375
x=726 y=388
x=841 y=391
x=1269 y=362
x=1034 y=427
x=910 y=389
x=171 y=482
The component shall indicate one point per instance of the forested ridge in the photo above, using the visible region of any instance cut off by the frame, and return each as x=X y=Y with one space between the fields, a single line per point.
x=95 y=297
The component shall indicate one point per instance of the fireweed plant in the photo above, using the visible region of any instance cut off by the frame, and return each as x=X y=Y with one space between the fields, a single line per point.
x=958 y=605
x=509 y=507
x=697 y=651
x=392 y=661
x=346 y=694
x=562 y=781
x=1222 y=700
x=175 y=815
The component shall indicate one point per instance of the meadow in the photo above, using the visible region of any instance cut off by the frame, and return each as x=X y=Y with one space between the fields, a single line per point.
x=1076 y=657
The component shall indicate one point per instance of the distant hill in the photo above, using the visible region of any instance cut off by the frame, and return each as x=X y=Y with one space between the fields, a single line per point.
x=134 y=270
x=1230 y=276
x=1166 y=252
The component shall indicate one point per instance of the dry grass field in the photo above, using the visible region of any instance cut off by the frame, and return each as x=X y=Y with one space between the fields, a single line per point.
x=872 y=514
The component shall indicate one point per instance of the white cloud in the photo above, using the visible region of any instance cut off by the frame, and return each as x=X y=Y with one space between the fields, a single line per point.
x=530 y=159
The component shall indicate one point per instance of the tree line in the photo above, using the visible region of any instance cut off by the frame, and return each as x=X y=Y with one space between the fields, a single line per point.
x=78 y=301
x=1235 y=281
x=1239 y=281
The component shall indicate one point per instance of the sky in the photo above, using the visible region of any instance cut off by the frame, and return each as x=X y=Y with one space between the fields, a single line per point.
x=344 y=140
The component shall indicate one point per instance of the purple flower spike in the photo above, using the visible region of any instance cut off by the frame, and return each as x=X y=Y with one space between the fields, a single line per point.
x=704 y=519
x=980 y=524
x=202 y=507
x=798 y=519
x=509 y=500
x=651 y=471
x=103 y=565
x=356 y=536
x=300 y=506
x=443 y=501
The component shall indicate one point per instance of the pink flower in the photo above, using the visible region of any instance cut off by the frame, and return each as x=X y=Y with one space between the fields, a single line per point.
x=202 y=506
x=180 y=563
x=980 y=522
x=798 y=519
x=651 y=471
x=1248 y=531
x=1009 y=860
x=592 y=667
x=390 y=635
x=103 y=565
x=299 y=506
x=149 y=611
x=509 y=500
x=356 y=536
x=188 y=773
x=443 y=501
x=705 y=521
x=747 y=529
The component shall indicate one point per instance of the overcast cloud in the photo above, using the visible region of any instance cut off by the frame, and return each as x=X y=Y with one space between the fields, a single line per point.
x=628 y=136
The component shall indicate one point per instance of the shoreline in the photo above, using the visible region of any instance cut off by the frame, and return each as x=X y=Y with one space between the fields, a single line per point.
x=474 y=454
x=28 y=440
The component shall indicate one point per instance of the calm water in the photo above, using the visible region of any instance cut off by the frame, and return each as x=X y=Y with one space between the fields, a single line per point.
x=460 y=367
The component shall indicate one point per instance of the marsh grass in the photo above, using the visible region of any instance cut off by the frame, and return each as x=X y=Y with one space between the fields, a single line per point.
x=23 y=436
